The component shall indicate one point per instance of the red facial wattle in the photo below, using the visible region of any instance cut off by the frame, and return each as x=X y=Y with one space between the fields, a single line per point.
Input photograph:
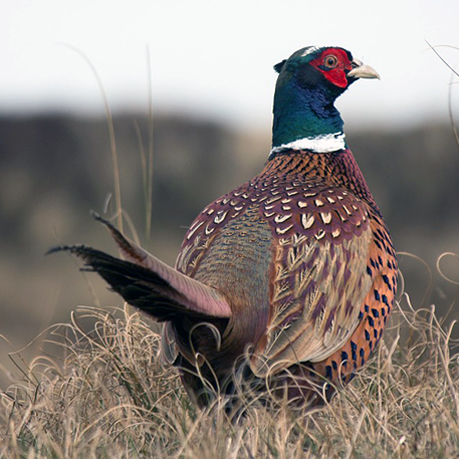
x=334 y=74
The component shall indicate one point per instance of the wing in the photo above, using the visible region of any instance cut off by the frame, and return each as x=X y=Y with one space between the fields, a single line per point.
x=319 y=278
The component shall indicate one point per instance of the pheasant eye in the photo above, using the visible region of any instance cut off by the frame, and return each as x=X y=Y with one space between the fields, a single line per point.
x=330 y=61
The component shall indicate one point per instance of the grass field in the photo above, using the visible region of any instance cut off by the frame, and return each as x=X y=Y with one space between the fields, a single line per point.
x=111 y=397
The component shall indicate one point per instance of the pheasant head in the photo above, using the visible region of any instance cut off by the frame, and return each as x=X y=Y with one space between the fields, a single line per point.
x=309 y=82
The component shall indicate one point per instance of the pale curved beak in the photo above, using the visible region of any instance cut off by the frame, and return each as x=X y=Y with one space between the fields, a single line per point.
x=361 y=70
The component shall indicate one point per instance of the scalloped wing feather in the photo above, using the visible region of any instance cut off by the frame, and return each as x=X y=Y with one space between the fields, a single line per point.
x=317 y=291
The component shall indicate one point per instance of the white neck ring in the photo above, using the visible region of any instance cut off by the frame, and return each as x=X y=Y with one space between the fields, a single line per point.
x=325 y=143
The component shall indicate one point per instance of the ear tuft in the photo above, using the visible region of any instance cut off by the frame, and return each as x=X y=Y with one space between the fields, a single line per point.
x=278 y=67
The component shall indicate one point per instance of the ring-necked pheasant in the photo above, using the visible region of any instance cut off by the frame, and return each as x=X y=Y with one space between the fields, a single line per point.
x=291 y=276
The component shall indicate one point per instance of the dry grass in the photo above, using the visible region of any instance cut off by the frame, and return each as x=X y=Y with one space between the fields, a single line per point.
x=111 y=397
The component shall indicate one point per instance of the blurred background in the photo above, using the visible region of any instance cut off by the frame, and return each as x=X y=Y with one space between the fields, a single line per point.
x=205 y=67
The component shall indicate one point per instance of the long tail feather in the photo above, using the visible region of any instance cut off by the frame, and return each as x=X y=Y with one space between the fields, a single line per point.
x=149 y=284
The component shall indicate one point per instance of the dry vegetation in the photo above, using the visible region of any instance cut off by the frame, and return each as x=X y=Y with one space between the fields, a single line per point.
x=110 y=397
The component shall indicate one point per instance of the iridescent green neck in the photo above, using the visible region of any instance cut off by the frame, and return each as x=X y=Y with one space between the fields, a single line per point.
x=304 y=113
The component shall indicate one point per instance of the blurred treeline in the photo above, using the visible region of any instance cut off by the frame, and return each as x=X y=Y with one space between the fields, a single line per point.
x=54 y=169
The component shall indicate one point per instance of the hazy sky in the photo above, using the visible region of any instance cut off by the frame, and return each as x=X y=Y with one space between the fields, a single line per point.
x=215 y=58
